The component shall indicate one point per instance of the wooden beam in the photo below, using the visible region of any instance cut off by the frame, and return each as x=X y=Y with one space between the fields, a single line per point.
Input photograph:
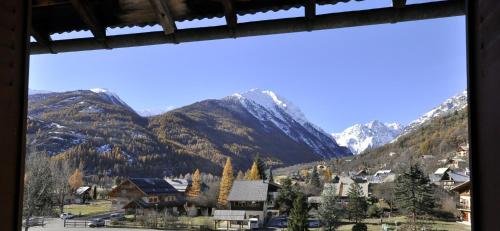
x=310 y=9
x=88 y=16
x=230 y=13
x=412 y=12
x=398 y=3
x=41 y=37
x=164 y=16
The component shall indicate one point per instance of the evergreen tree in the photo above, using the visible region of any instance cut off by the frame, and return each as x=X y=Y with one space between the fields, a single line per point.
x=298 y=214
x=226 y=183
x=357 y=205
x=271 y=177
x=254 y=173
x=195 y=189
x=94 y=195
x=315 y=178
x=413 y=193
x=286 y=196
x=329 y=210
x=261 y=167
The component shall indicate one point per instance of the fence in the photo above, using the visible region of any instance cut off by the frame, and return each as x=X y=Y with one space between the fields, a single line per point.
x=75 y=223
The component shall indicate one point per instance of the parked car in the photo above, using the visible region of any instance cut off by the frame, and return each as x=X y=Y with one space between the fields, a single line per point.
x=117 y=217
x=65 y=216
x=96 y=222
x=313 y=224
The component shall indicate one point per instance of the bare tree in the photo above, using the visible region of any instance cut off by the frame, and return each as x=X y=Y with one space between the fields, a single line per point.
x=61 y=171
x=38 y=188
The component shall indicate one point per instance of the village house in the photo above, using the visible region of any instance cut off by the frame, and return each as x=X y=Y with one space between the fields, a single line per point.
x=343 y=184
x=463 y=151
x=382 y=176
x=192 y=207
x=250 y=199
x=464 y=205
x=143 y=196
x=447 y=178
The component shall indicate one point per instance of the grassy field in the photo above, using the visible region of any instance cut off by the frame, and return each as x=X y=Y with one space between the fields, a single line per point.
x=436 y=225
x=93 y=208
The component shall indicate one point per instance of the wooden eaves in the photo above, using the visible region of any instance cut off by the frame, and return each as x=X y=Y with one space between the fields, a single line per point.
x=309 y=22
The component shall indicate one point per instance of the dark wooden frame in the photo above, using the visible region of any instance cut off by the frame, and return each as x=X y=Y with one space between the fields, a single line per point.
x=483 y=60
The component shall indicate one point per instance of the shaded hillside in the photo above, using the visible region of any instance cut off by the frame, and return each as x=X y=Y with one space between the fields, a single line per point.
x=440 y=137
x=215 y=129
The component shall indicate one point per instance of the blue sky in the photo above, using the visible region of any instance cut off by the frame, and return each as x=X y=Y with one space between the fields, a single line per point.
x=391 y=72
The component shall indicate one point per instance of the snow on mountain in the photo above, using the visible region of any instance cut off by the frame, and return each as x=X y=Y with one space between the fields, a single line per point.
x=34 y=91
x=456 y=103
x=154 y=112
x=110 y=96
x=267 y=106
x=361 y=137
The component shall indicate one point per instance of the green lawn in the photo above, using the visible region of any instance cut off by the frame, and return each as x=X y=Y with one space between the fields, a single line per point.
x=93 y=208
x=437 y=225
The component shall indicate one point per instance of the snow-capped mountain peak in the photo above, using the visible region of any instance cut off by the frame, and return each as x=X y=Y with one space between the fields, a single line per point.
x=452 y=104
x=360 y=137
x=111 y=96
x=270 y=100
x=269 y=107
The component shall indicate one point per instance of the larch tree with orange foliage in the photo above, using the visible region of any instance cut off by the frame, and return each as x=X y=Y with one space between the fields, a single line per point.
x=76 y=180
x=226 y=183
x=254 y=172
x=195 y=188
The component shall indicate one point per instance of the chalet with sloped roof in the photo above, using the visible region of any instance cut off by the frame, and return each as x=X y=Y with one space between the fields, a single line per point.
x=146 y=195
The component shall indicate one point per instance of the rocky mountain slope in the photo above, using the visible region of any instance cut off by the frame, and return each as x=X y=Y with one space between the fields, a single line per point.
x=97 y=129
x=363 y=137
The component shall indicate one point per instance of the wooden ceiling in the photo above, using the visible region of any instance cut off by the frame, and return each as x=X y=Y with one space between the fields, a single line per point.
x=58 y=16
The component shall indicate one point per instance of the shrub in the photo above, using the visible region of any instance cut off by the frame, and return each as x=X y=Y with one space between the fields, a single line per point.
x=374 y=211
x=359 y=227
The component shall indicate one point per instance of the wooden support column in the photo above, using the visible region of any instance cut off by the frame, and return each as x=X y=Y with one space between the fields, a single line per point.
x=14 y=56
x=88 y=16
x=164 y=16
x=483 y=61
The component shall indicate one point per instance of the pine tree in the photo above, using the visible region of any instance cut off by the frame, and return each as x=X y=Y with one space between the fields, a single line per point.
x=226 y=183
x=357 y=205
x=94 y=195
x=254 y=173
x=315 y=178
x=271 y=177
x=413 y=193
x=195 y=189
x=261 y=167
x=286 y=196
x=329 y=210
x=298 y=214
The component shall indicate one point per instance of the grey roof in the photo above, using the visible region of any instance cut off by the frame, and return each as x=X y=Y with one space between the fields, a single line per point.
x=248 y=190
x=152 y=186
x=229 y=215
x=342 y=188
